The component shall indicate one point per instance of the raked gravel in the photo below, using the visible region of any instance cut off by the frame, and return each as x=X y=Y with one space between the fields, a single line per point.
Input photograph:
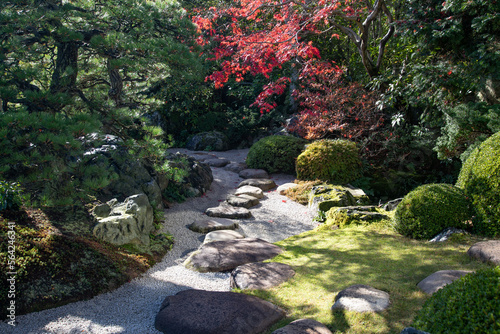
x=132 y=308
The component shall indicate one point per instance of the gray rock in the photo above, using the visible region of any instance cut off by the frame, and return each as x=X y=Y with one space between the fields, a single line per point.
x=486 y=251
x=222 y=235
x=439 y=279
x=212 y=141
x=226 y=255
x=303 y=326
x=250 y=190
x=203 y=156
x=446 y=234
x=360 y=197
x=236 y=167
x=264 y=184
x=411 y=330
x=253 y=174
x=127 y=222
x=392 y=205
x=363 y=213
x=199 y=176
x=260 y=276
x=215 y=312
x=224 y=210
x=284 y=187
x=243 y=200
x=323 y=198
x=208 y=225
x=218 y=162
x=361 y=298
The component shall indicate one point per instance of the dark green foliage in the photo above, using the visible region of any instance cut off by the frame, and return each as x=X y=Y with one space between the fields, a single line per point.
x=429 y=209
x=480 y=180
x=468 y=305
x=10 y=195
x=276 y=154
x=333 y=161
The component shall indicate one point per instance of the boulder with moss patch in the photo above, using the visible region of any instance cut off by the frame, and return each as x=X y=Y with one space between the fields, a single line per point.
x=344 y=216
x=209 y=141
x=324 y=197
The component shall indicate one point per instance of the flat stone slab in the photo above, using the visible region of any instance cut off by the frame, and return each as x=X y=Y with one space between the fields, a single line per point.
x=236 y=167
x=224 y=210
x=218 y=162
x=250 y=190
x=486 y=251
x=215 y=312
x=303 y=326
x=226 y=255
x=208 y=225
x=222 y=235
x=253 y=174
x=260 y=276
x=264 y=184
x=361 y=298
x=243 y=200
x=439 y=279
x=284 y=187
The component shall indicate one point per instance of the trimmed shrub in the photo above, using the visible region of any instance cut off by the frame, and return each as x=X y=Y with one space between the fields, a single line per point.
x=429 y=209
x=480 y=179
x=275 y=154
x=468 y=305
x=334 y=161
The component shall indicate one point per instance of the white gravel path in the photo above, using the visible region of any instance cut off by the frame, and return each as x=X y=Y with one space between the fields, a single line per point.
x=132 y=308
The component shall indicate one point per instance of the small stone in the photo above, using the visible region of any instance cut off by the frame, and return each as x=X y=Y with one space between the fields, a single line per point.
x=303 y=326
x=254 y=174
x=250 y=190
x=222 y=235
x=486 y=251
x=208 y=225
x=264 y=184
x=243 y=200
x=284 y=187
x=224 y=210
x=361 y=298
x=446 y=234
x=260 y=276
x=440 y=279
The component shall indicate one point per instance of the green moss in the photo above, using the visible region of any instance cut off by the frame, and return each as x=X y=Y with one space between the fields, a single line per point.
x=480 y=180
x=343 y=217
x=334 y=161
x=468 y=305
x=275 y=154
x=328 y=196
x=429 y=209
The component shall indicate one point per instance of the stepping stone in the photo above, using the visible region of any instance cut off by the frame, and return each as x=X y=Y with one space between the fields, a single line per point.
x=236 y=167
x=201 y=157
x=226 y=255
x=250 y=190
x=264 y=184
x=243 y=200
x=254 y=174
x=224 y=210
x=446 y=234
x=215 y=312
x=303 y=326
x=361 y=298
x=260 y=276
x=218 y=162
x=208 y=225
x=439 y=279
x=222 y=235
x=486 y=251
x=284 y=187
x=411 y=330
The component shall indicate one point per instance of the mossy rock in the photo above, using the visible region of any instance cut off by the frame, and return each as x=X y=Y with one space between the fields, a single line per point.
x=345 y=216
x=334 y=161
x=480 y=180
x=324 y=197
x=468 y=305
x=429 y=209
x=275 y=154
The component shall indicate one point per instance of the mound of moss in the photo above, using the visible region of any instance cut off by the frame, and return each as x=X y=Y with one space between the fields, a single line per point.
x=275 y=154
x=334 y=161
x=429 y=209
x=480 y=180
x=468 y=305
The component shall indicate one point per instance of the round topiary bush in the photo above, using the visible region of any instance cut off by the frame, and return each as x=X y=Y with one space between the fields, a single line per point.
x=480 y=180
x=429 y=209
x=468 y=305
x=334 y=161
x=275 y=154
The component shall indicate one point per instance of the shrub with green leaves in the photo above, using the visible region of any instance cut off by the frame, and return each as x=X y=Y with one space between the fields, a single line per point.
x=275 y=154
x=429 y=209
x=480 y=179
x=468 y=305
x=10 y=195
x=334 y=161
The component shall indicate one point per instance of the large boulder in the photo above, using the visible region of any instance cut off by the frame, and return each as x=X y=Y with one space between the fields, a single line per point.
x=199 y=175
x=325 y=197
x=486 y=251
x=124 y=223
x=215 y=312
x=226 y=255
x=361 y=298
x=440 y=279
x=259 y=275
x=208 y=141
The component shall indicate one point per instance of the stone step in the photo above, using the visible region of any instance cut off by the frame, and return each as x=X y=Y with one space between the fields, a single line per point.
x=209 y=225
x=250 y=190
x=260 y=276
x=253 y=174
x=243 y=200
x=224 y=210
x=264 y=184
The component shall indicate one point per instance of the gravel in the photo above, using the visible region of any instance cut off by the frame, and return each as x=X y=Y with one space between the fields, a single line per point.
x=132 y=307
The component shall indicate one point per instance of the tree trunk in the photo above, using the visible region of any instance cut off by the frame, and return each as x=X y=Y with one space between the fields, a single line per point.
x=66 y=70
x=116 y=82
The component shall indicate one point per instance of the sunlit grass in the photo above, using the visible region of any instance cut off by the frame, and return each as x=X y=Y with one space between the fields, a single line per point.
x=327 y=261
